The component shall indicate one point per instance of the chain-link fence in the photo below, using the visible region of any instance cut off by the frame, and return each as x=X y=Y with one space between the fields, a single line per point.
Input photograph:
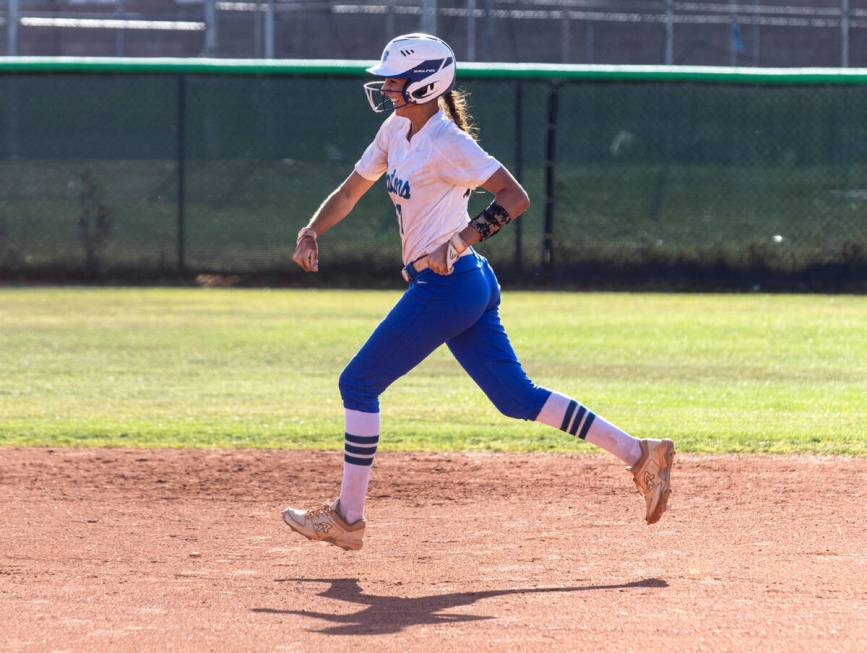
x=672 y=32
x=690 y=177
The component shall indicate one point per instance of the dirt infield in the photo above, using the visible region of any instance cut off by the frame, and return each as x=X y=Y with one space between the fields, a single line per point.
x=110 y=549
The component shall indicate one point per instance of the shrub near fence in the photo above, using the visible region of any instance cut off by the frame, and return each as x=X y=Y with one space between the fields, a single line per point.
x=160 y=169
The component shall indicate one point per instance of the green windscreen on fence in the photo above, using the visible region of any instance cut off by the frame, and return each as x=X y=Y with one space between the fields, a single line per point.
x=172 y=171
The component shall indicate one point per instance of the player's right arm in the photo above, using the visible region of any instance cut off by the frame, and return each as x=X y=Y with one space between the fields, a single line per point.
x=334 y=209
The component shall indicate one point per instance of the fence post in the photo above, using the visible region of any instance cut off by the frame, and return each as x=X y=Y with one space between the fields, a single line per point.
x=12 y=28
x=844 y=33
x=471 y=30
x=519 y=167
x=733 y=34
x=429 y=16
x=258 y=47
x=211 y=33
x=756 y=34
x=489 y=31
x=269 y=30
x=389 y=22
x=181 y=163
x=120 y=36
x=669 y=33
x=550 y=145
x=12 y=91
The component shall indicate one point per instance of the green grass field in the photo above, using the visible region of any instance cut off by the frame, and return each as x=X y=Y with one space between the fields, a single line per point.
x=259 y=368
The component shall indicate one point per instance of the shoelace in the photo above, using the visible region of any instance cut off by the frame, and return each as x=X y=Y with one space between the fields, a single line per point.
x=312 y=512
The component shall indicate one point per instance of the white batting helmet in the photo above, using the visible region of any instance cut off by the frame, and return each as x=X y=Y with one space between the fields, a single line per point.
x=426 y=62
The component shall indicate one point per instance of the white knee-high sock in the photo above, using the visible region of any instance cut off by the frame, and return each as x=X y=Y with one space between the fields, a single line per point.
x=362 y=437
x=568 y=415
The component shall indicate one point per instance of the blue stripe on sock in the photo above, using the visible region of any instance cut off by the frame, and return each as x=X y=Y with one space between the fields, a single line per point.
x=569 y=411
x=362 y=439
x=348 y=448
x=577 y=420
x=367 y=462
x=586 y=427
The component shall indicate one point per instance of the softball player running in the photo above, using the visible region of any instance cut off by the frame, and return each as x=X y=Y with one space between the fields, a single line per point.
x=432 y=163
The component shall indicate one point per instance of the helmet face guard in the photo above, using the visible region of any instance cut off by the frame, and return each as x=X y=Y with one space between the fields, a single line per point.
x=425 y=62
x=381 y=102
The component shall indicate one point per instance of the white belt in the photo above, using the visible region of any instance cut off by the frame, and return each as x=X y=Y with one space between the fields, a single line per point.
x=412 y=270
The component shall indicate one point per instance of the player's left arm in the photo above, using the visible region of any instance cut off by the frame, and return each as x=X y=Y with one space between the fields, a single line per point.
x=510 y=201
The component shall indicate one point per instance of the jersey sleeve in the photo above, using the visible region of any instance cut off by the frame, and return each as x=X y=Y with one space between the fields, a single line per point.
x=462 y=162
x=374 y=162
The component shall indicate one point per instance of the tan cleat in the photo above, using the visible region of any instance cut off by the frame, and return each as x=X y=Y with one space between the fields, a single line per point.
x=325 y=524
x=652 y=476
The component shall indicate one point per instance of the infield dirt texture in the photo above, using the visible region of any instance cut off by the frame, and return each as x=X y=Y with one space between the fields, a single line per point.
x=145 y=550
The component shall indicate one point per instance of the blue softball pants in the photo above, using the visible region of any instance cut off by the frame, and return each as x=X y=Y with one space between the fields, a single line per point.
x=460 y=310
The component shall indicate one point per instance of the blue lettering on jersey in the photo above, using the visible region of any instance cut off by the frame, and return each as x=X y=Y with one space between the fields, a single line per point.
x=396 y=185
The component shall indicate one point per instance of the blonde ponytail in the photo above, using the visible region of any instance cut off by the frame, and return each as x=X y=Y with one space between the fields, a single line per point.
x=454 y=102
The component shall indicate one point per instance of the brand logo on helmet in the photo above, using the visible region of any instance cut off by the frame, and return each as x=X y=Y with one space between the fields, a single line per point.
x=385 y=55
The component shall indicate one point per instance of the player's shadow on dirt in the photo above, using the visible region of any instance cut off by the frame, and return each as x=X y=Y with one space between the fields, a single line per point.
x=390 y=614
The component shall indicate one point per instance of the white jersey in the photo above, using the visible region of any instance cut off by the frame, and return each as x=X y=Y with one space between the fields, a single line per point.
x=429 y=178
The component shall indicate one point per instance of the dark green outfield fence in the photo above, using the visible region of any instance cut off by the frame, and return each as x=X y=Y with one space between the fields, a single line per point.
x=640 y=176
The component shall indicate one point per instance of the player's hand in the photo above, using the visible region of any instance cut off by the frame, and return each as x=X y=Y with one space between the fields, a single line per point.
x=442 y=259
x=307 y=251
x=437 y=260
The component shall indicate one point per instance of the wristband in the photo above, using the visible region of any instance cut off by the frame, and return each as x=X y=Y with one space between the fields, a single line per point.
x=491 y=220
